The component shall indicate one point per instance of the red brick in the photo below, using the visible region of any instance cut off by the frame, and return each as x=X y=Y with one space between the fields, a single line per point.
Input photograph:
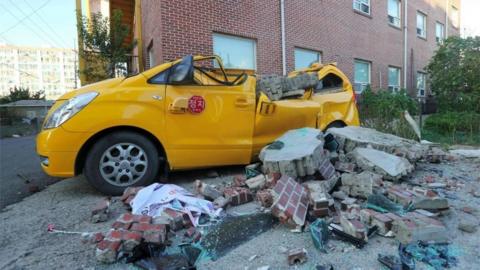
x=265 y=197
x=326 y=168
x=143 y=227
x=108 y=244
x=288 y=205
x=238 y=195
x=130 y=191
x=239 y=180
x=121 y=225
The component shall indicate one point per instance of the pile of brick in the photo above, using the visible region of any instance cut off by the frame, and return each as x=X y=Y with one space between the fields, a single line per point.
x=128 y=231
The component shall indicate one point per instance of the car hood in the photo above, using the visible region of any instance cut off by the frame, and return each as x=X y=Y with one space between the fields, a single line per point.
x=98 y=87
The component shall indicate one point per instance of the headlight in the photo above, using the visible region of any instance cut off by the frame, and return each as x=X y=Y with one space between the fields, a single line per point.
x=68 y=109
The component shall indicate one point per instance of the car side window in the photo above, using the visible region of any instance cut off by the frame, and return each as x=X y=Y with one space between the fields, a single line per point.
x=329 y=82
x=162 y=77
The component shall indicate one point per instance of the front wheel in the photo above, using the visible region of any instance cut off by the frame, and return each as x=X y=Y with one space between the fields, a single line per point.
x=120 y=160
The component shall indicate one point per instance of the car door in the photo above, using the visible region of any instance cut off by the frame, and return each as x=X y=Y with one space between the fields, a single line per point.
x=209 y=125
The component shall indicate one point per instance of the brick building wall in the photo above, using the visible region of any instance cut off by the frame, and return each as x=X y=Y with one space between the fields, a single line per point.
x=172 y=29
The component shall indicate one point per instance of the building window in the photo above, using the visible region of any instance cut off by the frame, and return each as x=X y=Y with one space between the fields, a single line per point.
x=304 y=58
x=421 y=84
x=394 y=12
x=439 y=32
x=362 y=75
x=236 y=52
x=421 y=25
x=455 y=17
x=393 y=79
x=362 y=6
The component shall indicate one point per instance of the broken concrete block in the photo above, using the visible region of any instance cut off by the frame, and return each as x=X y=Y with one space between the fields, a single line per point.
x=469 y=226
x=100 y=211
x=297 y=153
x=238 y=195
x=347 y=167
x=297 y=256
x=130 y=192
x=257 y=182
x=351 y=137
x=265 y=197
x=208 y=191
x=429 y=203
x=410 y=229
x=389 y=166
x=317 y=195
x=220 y=202
x=339 y=195
x=359 y=185
x=291 y=201
x=435 y=155
x=107 y=251
x=346 y=202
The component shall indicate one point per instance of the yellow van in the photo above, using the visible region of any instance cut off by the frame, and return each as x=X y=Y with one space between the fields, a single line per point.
x=189 y=113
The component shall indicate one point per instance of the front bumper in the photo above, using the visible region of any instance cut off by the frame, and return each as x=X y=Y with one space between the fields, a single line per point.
x=58 y=150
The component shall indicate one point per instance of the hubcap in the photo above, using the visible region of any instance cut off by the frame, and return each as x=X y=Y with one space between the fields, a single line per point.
x=123 y=164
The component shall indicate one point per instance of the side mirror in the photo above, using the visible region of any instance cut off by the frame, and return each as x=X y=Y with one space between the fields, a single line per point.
x=182 y=72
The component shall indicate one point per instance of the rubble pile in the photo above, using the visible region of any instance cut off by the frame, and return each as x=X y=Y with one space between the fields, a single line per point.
x=352 y=192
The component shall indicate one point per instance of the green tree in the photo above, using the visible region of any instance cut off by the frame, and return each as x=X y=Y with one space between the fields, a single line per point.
x=106 y=49
x=454 y=73
x=21 y=93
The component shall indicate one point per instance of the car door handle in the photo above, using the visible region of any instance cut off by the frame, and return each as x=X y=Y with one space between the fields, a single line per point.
x=242 y=102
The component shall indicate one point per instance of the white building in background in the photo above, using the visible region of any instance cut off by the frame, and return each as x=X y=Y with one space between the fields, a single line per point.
x=49 y=69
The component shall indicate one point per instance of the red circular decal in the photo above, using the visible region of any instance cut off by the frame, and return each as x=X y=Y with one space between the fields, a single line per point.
x=196 y=104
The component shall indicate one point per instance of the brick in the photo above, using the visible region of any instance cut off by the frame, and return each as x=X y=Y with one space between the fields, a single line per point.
x=326 y=168
x=359 y=185
x=208 y=191
x=319 y=213
x=107 y=251
x=239 y=180
x=316 y=194
x=101 y=211
x=121 y=225
x=265 y=197
x=131 y=240
x=412 y=229
x=346 y=202
x=292 y=201
x=383 y=222
x=238 y=195
x=257 y=182
x=354 y=227
x=180 y=219
x=129 y=192
x=297 y=256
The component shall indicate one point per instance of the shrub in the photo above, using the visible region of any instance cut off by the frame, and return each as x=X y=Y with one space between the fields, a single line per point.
x=458 y=127
x=384 y=109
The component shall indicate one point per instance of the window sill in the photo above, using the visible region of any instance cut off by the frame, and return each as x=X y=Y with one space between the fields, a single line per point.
x=421 y=37
x=362 y=13
x=395 y=26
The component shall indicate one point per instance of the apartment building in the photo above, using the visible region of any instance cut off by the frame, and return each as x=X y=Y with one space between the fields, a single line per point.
x=382 y=43
x=49 y=69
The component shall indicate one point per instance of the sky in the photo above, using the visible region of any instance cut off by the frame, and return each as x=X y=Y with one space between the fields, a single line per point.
x=52 y=23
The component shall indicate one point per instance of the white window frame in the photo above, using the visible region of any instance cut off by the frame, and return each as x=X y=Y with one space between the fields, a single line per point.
x=358 y=4
x=361 y=86
x=395 y=20
x=421 y=87
x=233 y=37
x=455 y=17
x=423 y=33
x=440 y=38
x=391 y=87
x=298 y=49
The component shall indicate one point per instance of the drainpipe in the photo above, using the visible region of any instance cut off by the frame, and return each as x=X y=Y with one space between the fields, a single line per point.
x=282 y=25
x=405 y=16
x=446 y=17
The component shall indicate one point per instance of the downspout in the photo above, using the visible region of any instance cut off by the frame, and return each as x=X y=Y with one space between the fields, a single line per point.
x=282 y=25
x=81 y=59
x=405 y=53
x=138 y=26
x=446 y=17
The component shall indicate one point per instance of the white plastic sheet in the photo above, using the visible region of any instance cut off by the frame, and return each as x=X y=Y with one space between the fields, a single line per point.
x=155 y=198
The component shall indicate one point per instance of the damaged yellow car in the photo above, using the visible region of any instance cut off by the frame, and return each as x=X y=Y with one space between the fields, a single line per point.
x=184 y=114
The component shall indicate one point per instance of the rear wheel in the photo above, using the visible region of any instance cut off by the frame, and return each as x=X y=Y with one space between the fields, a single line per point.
x=120 y=160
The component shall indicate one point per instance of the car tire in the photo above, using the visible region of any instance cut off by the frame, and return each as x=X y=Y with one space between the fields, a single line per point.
x=120 y=160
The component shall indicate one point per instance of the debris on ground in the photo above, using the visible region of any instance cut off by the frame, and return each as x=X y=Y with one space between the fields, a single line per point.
x=368 y=191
